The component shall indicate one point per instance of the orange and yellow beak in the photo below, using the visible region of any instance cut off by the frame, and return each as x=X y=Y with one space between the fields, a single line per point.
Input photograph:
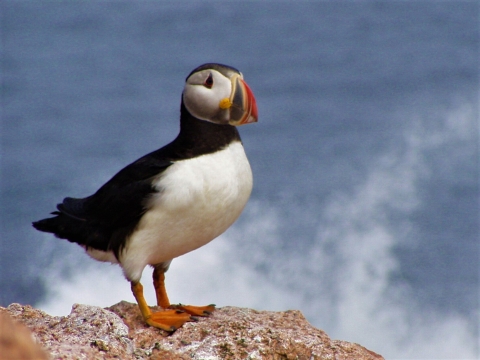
x=242 y=103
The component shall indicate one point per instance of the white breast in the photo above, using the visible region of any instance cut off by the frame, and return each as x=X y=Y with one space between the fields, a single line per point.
x=197 y=200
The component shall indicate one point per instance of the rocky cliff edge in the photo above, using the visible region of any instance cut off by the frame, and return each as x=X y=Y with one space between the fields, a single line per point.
x=118 y=332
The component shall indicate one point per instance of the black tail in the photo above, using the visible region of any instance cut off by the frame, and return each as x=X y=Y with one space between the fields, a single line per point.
x=75 y=230
x=64 y=227
x=47 y=225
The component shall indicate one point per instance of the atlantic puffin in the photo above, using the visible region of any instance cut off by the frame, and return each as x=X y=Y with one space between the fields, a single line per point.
x=172 y=200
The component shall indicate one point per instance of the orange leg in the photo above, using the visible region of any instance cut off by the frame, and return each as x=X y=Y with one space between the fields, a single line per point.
x=162 y=298
x=159 y=285
x=169 y=320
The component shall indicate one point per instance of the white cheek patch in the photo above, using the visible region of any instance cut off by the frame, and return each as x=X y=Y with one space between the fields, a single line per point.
x=202 y=102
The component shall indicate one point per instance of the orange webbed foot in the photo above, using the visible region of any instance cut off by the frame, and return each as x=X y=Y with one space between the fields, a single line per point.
x=168 y=320
x=162 y=298
x=195 y=310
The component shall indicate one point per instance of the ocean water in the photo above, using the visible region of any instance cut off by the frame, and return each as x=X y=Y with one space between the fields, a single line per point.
x=365 y=208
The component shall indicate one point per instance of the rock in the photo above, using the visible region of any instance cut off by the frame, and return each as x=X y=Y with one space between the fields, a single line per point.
x=118 y=332
x=89 y=332
x=17 y=342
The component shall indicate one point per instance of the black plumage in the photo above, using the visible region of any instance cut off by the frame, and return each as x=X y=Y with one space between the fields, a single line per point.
x=104 y=220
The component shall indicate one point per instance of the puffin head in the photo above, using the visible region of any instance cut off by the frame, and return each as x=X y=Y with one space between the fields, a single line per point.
x=218 y=94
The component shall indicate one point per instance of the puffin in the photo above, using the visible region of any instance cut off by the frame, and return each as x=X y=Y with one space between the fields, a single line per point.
x=172 y=200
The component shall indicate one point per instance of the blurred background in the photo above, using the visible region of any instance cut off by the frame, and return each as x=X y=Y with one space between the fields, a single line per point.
x=365 y=208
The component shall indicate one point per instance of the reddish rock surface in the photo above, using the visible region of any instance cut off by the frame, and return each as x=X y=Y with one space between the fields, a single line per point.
x=17 y=341
x=118 y=332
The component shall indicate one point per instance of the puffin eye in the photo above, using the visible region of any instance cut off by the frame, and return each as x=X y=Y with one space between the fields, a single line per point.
x=208 y=82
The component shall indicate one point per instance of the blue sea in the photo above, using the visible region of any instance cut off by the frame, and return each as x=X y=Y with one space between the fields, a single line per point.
x=365 y=208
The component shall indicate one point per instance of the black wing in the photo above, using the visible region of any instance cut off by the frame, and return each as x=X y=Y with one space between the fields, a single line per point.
x=103 y=220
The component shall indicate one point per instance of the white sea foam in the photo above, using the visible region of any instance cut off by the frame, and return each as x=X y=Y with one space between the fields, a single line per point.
x=343 y=284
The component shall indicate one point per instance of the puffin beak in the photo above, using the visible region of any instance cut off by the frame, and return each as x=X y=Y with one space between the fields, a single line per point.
x=242 y=103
